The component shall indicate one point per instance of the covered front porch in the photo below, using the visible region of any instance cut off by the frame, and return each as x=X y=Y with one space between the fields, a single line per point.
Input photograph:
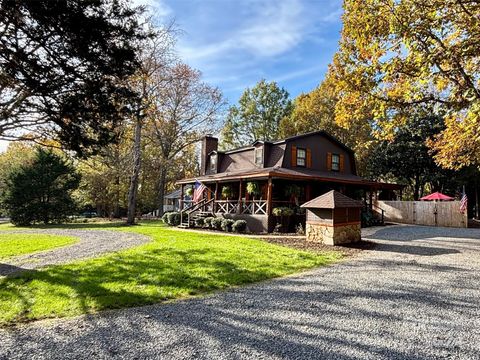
x=254 y=198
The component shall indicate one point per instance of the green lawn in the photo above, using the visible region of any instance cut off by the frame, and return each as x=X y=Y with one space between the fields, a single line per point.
x=175 y=265
x=20 y=244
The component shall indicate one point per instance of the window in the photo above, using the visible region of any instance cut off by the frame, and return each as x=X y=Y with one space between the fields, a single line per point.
x=213 y=162
x=301 y=157
x=335 y=162
x=258 y=156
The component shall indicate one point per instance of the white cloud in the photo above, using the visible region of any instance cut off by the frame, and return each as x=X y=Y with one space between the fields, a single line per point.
x=273 y=29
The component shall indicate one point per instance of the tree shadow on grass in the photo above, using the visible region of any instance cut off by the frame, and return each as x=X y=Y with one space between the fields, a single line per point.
x=305 y=317
x=129 y=280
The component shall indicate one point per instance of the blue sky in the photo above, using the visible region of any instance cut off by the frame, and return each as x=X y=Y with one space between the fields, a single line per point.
x=237 y=43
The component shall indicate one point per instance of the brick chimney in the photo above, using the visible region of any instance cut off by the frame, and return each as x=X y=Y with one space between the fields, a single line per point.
x=209 y=143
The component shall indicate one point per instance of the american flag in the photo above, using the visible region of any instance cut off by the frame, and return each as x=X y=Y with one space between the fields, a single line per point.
x=198 y=192
x=463 y=203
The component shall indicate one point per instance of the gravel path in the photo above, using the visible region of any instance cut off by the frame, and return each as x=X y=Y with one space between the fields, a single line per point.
x=415 y=296
x=91 y=243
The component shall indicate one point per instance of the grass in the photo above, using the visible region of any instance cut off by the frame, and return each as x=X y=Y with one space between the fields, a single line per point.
x=174 y=265
x=20 y=244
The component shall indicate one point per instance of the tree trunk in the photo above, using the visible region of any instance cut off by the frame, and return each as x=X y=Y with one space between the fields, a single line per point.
x=133 y=189
x=161 y=189
x=416 y=188
x=116 y=207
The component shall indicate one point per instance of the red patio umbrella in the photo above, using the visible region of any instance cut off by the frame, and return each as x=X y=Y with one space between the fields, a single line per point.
x=437 y=196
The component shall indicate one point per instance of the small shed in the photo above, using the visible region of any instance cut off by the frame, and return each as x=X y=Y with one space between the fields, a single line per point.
x=333 y=219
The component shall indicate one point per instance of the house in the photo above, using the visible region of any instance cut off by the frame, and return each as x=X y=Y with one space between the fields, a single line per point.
x=284 y=173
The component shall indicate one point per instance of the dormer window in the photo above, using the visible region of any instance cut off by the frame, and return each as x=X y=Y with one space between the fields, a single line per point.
x=335 y=162
x=258 y=156
x=213 y=162
x=301 y=157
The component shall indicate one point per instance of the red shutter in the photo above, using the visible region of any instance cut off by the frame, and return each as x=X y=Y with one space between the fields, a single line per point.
x=342 y=163
x=309 y=158
x=329 y=161
x=294 y=155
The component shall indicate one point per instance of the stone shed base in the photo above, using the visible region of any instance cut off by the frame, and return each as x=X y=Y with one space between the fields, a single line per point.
x=333 y=235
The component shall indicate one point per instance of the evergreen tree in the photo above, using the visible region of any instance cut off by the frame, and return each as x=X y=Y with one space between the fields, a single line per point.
x=257 y=116
x=64 y=66
x=42 y=190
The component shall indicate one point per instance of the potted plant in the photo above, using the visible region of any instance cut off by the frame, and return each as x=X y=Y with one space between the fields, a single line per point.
x=283 y=215
x=189 y=192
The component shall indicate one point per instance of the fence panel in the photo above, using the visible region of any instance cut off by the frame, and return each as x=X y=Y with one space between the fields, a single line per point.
x=442 y=213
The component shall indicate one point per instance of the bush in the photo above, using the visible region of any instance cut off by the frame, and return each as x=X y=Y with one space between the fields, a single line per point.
x=217 y=223
x=239 y=226
x=282 y=211
x=165 y=217
x=227 y=224
x=173 y=218
x=199 y=222
x=208 y=222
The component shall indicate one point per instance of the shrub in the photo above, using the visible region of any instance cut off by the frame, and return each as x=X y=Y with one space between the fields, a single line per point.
x=227 y=224
x=165 y=217
x=173 y=218
x=199 y=222
x=217 y=223
x=208 y=222
x=239 y=226
x=282 y=211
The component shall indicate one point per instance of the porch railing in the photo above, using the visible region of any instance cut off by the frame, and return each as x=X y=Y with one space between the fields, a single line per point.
x=254 y=207
x=251 y=207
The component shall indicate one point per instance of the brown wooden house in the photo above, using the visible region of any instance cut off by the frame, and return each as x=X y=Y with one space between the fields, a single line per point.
x=285 y=173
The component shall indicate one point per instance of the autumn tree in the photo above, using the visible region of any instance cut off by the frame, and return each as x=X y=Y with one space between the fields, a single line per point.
x=63 y=69
x=257 y=115
x=155 y=55
x=185 y=109
x=106 y=176
x=396 y=55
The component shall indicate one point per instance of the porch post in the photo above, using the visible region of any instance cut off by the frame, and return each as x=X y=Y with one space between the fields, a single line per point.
x=215 y=198
x=182 y=187
x=308 y=192
x=239 y=207
x=269 y=196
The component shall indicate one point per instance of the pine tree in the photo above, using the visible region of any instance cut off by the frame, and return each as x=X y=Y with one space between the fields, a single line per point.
x=41 y=191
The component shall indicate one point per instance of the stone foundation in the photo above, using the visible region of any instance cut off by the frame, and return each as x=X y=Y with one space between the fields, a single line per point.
x=333 y=235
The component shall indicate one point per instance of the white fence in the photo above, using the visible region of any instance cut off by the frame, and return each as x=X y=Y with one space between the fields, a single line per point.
x=440 y=213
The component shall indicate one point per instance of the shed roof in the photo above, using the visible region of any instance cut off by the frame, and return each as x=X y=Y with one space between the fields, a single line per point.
x=332 y=200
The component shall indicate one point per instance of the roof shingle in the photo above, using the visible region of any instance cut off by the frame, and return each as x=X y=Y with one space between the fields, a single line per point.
x=332 y=200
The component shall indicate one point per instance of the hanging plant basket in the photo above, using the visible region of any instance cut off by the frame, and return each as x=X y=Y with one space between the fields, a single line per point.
x=227 y=192
x=253 y=188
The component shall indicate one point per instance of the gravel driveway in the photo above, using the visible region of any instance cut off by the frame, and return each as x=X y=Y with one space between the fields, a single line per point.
x=416 y=296
x=91 y=243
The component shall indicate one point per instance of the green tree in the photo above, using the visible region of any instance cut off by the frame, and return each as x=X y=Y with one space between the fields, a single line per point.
x=257 y=116
x=42 y=190
x=63 y=68
x=408 y=160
